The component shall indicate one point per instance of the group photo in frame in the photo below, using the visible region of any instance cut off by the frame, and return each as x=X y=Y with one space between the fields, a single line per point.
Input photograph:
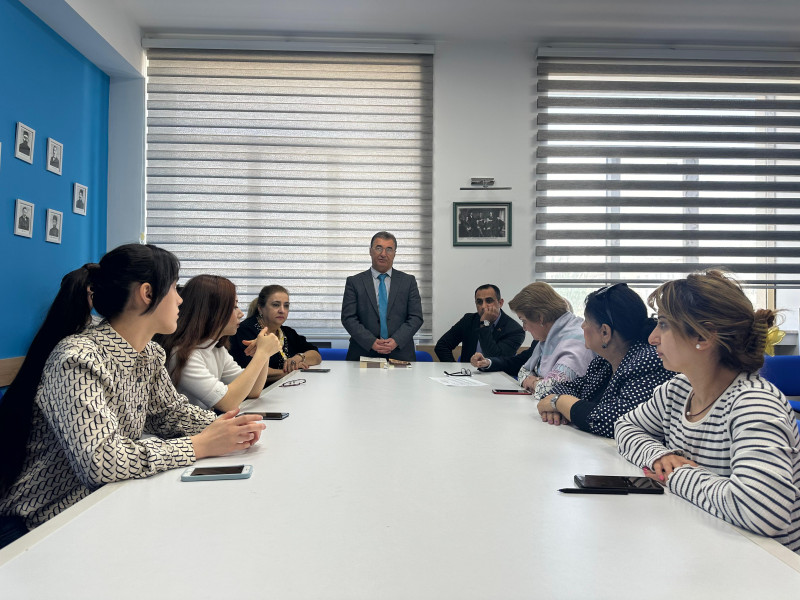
x=481 y=224
x=23 y=218
x=24 y=144
x=55 y=156
x=54 y=224
x=80 y=196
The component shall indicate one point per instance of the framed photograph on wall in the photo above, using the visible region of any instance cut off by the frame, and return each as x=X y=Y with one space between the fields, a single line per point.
x=55 y=156
x=481 y=224
x=55 y=221
x=23 y=218
x=23 y=147
x=80 y=195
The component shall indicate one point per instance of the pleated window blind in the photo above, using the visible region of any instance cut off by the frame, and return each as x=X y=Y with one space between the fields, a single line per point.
x=648 y=169
x=272 y=167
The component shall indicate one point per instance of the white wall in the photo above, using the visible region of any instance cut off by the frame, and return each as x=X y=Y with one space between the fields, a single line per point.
x=482 y=127
x=126 y=168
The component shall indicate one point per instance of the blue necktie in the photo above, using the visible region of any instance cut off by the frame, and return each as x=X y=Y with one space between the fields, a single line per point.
x=383 y=302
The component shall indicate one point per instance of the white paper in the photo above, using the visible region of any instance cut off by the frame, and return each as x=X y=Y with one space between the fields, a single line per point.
x=458 y=381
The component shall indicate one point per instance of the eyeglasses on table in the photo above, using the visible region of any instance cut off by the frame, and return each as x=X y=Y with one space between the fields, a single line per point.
x=292 y=383
x=461 y=373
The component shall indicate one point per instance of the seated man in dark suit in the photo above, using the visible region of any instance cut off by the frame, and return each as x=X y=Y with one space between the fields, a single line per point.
x=381 y=307
x=489 y=331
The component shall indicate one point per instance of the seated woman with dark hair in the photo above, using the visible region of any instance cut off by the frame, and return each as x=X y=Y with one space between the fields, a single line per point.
x=73 y=418
x=718 y=435
x=624 y=373
x=269 y=310
x=559 y=355
x=199 y=362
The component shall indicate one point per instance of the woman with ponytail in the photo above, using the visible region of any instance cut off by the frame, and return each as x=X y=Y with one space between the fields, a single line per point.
x=73 y=418
x=269 y=310
x=718 y=434
x=621 y=376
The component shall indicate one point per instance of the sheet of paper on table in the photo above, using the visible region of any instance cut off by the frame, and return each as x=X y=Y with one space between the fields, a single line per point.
x=458 y=381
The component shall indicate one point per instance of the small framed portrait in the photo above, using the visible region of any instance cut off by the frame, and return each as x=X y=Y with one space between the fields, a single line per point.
x=80 y=195
x=55 y=156
x=23 y=147
x=55 y=220
x=23 y=218
x=484 y=224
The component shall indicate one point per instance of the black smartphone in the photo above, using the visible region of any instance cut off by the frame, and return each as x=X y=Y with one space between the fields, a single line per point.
x=311 y=370
x=514 y=392
x=631 y=485
x=267 y=416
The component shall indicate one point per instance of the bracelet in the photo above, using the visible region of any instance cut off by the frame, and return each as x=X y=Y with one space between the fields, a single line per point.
x=302 y=356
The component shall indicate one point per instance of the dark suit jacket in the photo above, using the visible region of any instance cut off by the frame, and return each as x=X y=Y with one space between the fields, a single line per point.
x=361 y=320
x=510 y=364
x=503 y=340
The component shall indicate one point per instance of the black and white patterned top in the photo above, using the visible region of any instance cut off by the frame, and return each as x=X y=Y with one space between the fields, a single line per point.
x=96 y=398
x=604 y=395
x=747 y=446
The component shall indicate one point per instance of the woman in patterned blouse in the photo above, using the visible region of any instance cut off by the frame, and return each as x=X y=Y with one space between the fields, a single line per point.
x=199 y=362
x=624 y=373
x=73 y=418
x=718 y=434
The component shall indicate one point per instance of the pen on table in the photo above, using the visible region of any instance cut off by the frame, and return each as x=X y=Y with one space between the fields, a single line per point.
x=591 y=491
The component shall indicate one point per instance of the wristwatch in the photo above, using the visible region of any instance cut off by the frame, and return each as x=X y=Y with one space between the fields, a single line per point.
x=553 y=401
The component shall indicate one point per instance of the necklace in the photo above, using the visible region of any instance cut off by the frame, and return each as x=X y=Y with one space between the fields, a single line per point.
x=279 y=334
x=689 y=406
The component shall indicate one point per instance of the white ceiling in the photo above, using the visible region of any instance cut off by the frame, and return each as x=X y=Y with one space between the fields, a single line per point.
x=735 y=22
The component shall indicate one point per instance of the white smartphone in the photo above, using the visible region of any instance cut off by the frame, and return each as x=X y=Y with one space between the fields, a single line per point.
x=214 y=473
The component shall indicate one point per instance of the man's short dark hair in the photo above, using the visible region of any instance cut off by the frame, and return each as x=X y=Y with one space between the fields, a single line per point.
x=384 y=235
x=486 y=286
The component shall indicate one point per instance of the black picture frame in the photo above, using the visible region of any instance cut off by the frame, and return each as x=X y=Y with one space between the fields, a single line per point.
x=481 y=223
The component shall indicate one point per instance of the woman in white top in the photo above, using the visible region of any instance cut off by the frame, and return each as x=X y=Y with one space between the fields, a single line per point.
x=718 y=434
x=199 y=362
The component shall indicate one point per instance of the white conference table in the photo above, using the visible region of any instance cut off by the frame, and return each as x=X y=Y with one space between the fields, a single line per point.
x=385 y=484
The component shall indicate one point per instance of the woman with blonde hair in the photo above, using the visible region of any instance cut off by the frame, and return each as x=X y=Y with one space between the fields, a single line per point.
x=718 y=434
x=559 y=354
x=269 y=310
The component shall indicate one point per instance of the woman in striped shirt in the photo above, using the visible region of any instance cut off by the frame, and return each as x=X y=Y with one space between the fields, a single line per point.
x=718 y=435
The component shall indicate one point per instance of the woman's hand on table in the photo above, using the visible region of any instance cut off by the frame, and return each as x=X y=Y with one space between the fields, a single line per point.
x=664 y=466
x=228 y=433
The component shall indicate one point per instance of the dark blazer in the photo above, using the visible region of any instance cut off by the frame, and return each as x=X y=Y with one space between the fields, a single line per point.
x=510 y=364
x=361 y=320
x=503 y=340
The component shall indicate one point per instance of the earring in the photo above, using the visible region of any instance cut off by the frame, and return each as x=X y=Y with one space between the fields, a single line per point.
x=604 y=345
x=697 y=346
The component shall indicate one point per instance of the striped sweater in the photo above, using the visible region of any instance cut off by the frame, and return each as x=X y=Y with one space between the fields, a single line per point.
x=747 y=447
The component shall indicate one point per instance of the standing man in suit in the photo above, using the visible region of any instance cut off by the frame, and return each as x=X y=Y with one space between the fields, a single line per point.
x=381 y=307
x=489 y=331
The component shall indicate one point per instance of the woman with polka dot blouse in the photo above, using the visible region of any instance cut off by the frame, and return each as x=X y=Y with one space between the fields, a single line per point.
x=622 y=376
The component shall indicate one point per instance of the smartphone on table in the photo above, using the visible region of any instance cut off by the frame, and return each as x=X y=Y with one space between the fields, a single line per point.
x=214 y=473
x=267 y=416
x=619 y=483
x=313 y=370
x=512 y=391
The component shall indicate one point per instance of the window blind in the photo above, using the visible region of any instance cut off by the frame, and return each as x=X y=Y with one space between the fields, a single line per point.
x=648 y=169
x=278 y=167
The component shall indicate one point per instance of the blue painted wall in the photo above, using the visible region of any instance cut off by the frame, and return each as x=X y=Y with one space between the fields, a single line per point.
x=50 y=87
